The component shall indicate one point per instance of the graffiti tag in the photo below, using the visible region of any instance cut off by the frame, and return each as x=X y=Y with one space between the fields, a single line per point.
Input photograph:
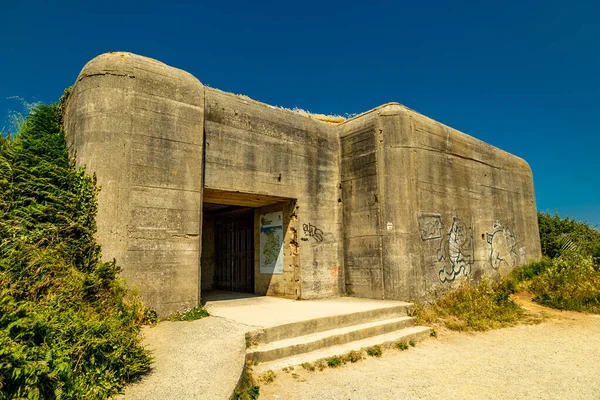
x=313 y=231
x=430 y=226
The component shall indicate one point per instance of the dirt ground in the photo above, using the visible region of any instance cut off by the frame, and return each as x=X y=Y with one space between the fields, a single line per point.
x=558 y=358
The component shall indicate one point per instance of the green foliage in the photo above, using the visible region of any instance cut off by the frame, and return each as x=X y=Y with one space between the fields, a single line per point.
x=334 y=362
x=474 y=307
x=529 y=271
x=190 y=315
x=566 y=236
x=247 y=389
x=596 y=253
x=68 y=327
x=374 y=351
x=402 y=345
x=569 y=284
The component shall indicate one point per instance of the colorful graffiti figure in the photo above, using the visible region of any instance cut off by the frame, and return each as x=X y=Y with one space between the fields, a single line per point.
x=457 y=249
x=503 y=247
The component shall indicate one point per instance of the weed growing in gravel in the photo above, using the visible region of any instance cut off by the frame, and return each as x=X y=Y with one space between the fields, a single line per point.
x=308 y=366
x=374 y=351
x=412 y=343
x=352 y=356
x=433 y=333
x=268 y=377
x=334 y=362
x=298 y=377
x=402 y=345
x=321 y=365
x=247 y=389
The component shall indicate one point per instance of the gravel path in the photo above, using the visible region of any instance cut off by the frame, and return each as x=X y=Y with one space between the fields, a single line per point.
x=200 y=359
x=556 y=359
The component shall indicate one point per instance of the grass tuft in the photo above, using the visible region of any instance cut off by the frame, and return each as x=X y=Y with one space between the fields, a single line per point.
x=402 y=345
x=352 y=356
x=334 y=362
x=308 y=366
x=191 y=314
x=268 y=377
x=473 y=307
x=375 y=351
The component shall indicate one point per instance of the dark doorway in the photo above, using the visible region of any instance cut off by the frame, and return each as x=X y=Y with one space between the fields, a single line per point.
x=234 y=250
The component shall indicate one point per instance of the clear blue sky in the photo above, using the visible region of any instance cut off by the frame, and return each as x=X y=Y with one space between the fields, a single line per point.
x=521 y=75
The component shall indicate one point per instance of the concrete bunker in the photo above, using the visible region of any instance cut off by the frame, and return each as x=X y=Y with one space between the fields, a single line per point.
x=389 y=204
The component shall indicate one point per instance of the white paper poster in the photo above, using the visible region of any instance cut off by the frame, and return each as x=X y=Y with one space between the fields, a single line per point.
x=271 y=243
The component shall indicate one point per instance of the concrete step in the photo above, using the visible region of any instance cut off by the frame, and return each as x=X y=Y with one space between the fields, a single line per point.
x=386 y=340
x=333 y=337
x=315 y=325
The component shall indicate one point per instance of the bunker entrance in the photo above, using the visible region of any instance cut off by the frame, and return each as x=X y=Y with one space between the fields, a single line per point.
x=231 y=240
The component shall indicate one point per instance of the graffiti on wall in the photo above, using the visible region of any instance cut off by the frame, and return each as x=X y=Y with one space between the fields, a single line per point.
x=430 y=226
x=313 y=232
x=503 y=247
x=456 y=251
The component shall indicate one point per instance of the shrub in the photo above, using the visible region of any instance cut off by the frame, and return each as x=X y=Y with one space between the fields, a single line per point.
x=569 y=284
x=474 y=307
x=68 y=327
x=596 y=254
x=529 y=271
x=559 y=236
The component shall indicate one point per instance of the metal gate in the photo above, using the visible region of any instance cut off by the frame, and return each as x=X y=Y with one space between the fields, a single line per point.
x=234 y=252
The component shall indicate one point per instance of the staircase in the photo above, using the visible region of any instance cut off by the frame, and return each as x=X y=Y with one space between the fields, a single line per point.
x=308 y=341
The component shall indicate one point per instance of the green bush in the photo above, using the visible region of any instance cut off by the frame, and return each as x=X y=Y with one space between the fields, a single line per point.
x=529 y=271
x=596 y=254
x=560 y=236
x=68 y=327
x=569 y=284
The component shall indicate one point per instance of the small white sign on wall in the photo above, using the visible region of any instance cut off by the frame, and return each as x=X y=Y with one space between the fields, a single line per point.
x=271 y=243
x=390 y=226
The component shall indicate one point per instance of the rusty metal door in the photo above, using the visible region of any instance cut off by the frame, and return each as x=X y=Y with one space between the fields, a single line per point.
x=234 y=252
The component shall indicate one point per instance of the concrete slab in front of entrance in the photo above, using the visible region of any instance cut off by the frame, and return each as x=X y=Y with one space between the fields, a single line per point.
x=269 y=311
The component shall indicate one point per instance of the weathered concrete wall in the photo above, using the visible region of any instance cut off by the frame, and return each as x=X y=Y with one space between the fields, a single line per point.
x=362 y=226
x=450 y=205
x=256 y=148
x=137 y=124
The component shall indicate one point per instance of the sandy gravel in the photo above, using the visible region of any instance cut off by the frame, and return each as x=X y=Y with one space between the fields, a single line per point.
x=556 y=359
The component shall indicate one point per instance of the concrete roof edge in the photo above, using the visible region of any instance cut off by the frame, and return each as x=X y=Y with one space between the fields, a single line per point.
x=244 y=97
